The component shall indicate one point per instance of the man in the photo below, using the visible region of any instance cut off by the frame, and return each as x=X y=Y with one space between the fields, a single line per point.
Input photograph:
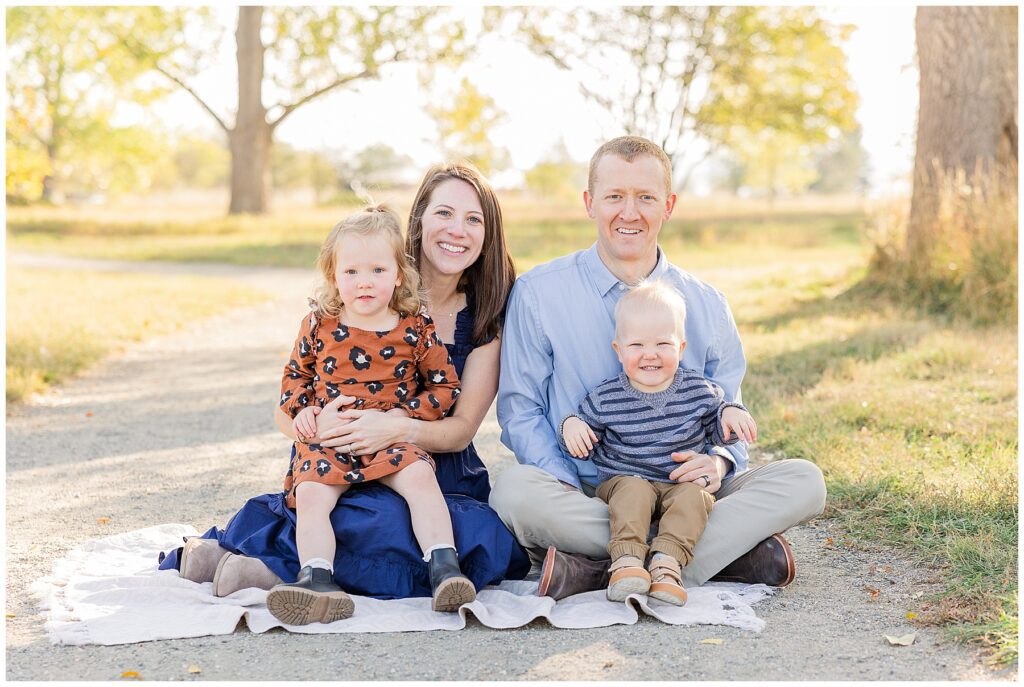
x=556 y=346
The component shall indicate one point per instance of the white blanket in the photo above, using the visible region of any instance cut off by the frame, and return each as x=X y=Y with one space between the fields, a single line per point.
x=109 y=591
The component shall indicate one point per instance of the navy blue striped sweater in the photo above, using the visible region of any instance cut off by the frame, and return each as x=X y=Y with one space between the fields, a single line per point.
x=638 y=431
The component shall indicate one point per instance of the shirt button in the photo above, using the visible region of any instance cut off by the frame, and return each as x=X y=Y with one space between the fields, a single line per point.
x=622 y=287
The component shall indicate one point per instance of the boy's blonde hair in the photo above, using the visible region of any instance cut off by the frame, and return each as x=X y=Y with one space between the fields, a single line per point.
x=653 y=295
x=377 y=220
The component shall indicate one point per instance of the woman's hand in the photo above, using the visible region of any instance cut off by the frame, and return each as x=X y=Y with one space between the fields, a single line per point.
x=365 y=432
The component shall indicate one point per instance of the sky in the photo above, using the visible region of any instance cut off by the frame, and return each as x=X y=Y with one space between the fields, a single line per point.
x=544 y=105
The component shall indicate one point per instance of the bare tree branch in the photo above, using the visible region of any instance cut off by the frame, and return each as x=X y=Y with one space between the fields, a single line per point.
x=337 y=83
x=139 y=54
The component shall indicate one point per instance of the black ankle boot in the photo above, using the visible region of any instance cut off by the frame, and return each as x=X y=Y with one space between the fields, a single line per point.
x=312 y=598
x=451 y=588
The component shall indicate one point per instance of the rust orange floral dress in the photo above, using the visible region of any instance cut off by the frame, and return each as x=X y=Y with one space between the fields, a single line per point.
x=406 y=367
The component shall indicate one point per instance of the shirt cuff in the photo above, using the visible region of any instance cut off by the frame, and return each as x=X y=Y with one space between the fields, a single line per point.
x=724 y=453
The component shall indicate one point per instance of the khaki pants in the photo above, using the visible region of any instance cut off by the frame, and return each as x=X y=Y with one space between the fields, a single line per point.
x=633 y=502
x=752 y=506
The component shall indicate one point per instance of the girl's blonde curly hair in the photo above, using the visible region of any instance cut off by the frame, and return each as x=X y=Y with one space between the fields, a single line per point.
x=377 y=220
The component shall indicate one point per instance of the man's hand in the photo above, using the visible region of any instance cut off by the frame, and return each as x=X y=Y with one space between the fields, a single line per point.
x=739 y=422
x=579 y=438
x=304 y=423
x=701 y=468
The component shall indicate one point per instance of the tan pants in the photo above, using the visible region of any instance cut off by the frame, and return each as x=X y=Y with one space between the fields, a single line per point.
x=750 y=507
x=633 y=502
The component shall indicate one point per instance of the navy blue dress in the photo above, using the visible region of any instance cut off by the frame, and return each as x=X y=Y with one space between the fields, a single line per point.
x=377 y=554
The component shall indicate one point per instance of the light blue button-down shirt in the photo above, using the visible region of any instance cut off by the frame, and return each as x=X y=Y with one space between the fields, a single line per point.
x=557 y=346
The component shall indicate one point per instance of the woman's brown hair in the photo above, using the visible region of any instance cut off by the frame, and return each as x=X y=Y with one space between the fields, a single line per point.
x=488 y=281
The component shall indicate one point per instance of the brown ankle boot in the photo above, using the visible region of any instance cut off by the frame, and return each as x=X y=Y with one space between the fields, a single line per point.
x=236 y=572
x=199 y=559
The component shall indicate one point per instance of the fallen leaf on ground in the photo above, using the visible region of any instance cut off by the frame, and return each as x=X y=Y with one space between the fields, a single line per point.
x=713 y=640
x=887 y=569
x=871 y=590
x=130 y=675
x=197 y=669
x=10 y=615
x=88 y=413
x=828 y=542
x=607 y=665
x=905 y=640
x=911 y=615
x=103 y=521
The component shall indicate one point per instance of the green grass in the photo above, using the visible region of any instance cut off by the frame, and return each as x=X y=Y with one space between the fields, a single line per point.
x=912 y=419
x=60 y=322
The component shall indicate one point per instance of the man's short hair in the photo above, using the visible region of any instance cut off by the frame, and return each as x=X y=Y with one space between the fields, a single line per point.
x=652 y=295
x=630 y=148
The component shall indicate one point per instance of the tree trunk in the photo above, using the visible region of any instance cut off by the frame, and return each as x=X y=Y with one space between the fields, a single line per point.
x=967 y=117
x=250 y=139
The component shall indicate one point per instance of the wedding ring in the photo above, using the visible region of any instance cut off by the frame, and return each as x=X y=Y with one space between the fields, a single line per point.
x=707 y=481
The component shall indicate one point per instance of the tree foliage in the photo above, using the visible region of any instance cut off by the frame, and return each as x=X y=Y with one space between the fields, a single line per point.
x=557 y=175
x=294 y=55
x=65 y=73
x=465 y=122
x=700 y=78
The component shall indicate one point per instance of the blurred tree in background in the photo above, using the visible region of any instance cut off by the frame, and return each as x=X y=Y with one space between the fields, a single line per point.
x=65 y=73
x=377 y=166
x=557 y=175
x=465 y=121
x=296 y=54
x=842 y=165
x=957 y=251
x=704 y=77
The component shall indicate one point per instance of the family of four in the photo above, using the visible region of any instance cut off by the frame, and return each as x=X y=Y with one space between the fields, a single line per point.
x=617 y=376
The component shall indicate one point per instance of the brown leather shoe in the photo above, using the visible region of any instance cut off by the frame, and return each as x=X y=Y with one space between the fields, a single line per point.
x=565 y=574
x=770 y=562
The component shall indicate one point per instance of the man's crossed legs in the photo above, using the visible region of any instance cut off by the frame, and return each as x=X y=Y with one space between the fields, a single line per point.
x=751 y=507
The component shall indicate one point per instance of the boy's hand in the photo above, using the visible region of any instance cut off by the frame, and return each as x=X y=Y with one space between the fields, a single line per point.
x=739 y=422
x=304 y=423
x=579 y=437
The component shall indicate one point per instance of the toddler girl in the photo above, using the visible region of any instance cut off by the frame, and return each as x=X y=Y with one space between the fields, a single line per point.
x=365 y=338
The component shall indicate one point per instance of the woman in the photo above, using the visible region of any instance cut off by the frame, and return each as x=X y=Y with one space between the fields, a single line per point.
x=456 y=238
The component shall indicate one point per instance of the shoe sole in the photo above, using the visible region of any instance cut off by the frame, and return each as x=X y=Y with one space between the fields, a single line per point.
x=669 y=593
x=547 y=570
x=299 y=606
x=790 y=562
x=452 y=594
x=620 y=589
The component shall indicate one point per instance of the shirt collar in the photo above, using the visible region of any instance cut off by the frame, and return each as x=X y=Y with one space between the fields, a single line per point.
x=603 y=278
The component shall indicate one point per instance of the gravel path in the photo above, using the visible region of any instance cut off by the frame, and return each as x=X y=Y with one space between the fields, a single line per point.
x=178 y=429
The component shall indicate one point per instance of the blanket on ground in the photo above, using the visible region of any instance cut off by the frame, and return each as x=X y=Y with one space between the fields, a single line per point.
x=109 y=591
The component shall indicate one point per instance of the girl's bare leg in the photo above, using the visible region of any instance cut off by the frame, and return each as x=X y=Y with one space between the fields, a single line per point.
x=314 y=536
x=431 y=522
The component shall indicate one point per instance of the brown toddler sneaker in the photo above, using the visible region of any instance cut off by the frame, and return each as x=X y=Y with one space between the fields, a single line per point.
x=236 y=572
x=199 y=559
x=667 y=578
x=628 y=577
x=312 y=598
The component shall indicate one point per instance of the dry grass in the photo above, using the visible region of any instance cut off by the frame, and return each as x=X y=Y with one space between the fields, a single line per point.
x=60 y=322
x=965 y=263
